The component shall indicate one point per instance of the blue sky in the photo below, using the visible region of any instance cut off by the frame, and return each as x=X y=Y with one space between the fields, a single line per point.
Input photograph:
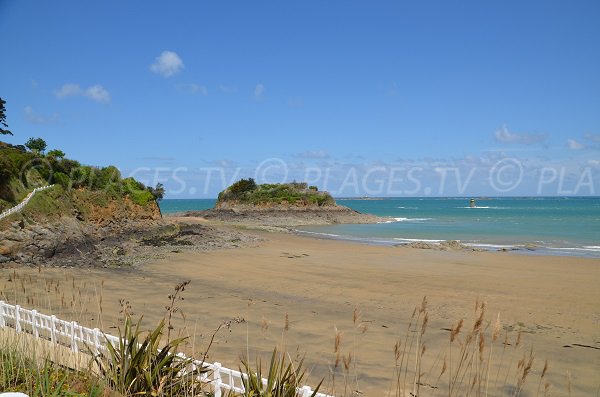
x=361 y=98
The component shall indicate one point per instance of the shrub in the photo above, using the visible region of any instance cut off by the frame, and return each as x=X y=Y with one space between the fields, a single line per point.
x=282 y=380
x=242 y=186
x=137 y=191
x=62 y=180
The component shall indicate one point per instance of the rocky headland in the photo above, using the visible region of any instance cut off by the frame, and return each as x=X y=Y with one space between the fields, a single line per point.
x=91 y=216
x=279 y=206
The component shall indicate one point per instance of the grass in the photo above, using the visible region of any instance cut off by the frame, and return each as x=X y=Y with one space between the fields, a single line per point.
x=25 y=368
x=481 y=357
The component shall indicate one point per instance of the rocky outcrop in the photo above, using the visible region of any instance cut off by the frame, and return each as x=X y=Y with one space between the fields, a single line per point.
x=285 y=216
x=279 y=205
x=448 y=245
x=34 y=238
x=70 y=243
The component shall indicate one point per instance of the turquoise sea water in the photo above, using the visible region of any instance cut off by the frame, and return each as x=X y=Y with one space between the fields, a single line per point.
x=173 y=206
x=558 y=226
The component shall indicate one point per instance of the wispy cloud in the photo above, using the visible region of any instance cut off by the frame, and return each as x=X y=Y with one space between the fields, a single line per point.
x=167 y=64
x=503 y=135
x=259 y=90
x=198 y=89
x=96 y=92
x=192 y=88
x=34 y=118
x=592 y=137
x=574 y=145
x=68 y=90
x=313 y=154
x=227 y=89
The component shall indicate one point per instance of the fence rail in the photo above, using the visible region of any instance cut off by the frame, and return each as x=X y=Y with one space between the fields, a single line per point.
x=23 y=203
x=71 y=334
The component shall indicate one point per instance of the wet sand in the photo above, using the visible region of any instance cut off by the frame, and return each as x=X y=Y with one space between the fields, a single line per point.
x=320 y=284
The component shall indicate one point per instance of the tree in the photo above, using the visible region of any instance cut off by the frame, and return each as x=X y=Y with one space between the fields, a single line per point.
x=158 y=192
x=36 y=145
x=57 y=154
x=3 y=119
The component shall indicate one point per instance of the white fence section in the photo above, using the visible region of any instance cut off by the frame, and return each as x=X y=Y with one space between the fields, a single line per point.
x=23 y=203
x=75 y=336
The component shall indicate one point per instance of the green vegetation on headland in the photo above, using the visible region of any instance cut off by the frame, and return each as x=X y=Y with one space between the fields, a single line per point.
x=24 y=167
x=22 y=170
x=247 y=192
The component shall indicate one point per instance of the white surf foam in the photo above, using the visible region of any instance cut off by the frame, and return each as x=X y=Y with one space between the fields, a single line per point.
x=416 y=240
x=394 y=220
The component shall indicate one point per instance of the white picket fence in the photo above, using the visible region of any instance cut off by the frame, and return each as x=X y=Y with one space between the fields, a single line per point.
x=70 y=334
x=23 y=203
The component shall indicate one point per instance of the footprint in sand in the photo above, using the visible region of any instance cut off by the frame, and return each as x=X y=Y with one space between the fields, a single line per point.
x=292 y=256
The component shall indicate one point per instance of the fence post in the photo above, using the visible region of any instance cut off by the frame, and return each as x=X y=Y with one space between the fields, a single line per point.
x=96 y=340
x=53 y=329
x=18 y=318
x=34 y=328
x=306 y=391
x=217 y=379
x=74 y=346
x=2 y=321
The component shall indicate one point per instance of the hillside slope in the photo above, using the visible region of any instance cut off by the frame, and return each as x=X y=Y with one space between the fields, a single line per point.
x=86 y=203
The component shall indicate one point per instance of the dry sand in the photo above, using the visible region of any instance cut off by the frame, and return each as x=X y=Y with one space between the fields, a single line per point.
x=555 y=301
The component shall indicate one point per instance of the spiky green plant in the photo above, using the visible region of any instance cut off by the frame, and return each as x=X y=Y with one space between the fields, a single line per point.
x=283 y=378
x=137 y=365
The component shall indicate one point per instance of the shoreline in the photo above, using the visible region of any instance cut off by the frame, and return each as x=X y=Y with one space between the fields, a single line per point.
x=503 y=226
x=318 y=284
x=526 y=248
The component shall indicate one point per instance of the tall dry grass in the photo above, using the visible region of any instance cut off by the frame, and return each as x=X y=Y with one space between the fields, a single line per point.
x=482 y=357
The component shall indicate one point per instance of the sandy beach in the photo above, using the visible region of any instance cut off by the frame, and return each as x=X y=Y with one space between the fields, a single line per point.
x=367 y=292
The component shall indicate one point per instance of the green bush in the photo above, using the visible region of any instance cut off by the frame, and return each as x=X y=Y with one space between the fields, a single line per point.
x=139 y=366
x=295 y=193
x=61 y=179
x=137 y=191
x=282 y=380
x=20 y=171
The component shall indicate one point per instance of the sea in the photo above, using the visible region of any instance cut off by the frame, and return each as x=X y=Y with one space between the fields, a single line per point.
x=568 y=226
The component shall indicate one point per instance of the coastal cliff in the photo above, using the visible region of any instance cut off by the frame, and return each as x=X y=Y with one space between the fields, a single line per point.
x=279 y=205
x=85 y=205
x=91 y=216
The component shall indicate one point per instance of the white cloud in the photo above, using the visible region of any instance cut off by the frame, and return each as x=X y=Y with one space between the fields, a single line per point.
x=314 y=154
x=259 y=90
x=505 y=136
x=167 y=64
x=34 y=118
x=96 y=92
x=574 y=145
x=68 y=90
